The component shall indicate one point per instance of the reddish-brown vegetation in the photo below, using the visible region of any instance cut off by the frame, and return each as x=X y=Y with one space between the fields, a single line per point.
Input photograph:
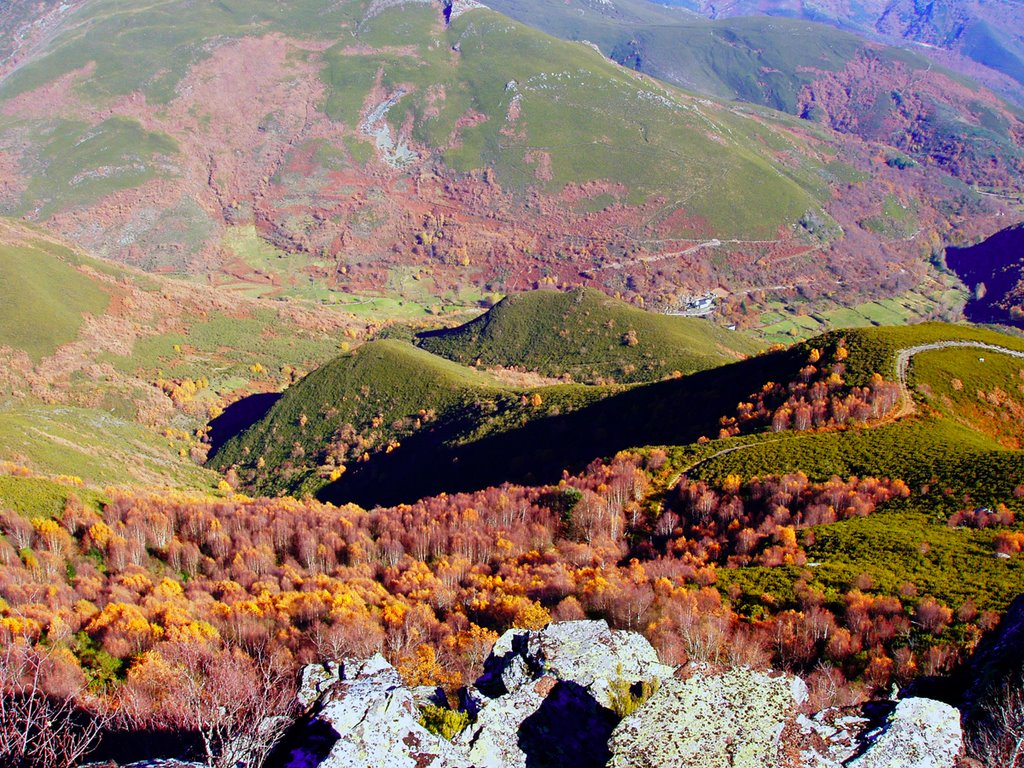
x=174 y=593
x=819 y=398
x=756 y=522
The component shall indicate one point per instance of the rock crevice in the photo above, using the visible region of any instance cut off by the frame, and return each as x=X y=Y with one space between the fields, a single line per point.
x=551 y=698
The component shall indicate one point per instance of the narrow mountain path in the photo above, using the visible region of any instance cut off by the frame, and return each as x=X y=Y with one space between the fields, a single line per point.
x=906 y=408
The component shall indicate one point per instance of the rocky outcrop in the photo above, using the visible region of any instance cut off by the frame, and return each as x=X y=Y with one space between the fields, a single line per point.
x=492 y=741
x=913 y=733
x=549 y=698
x=587 y=653
x=920 y=733
x=314 y=680
x=377 y=723
x=730 y=720
x=829 y=738
x=544 y=696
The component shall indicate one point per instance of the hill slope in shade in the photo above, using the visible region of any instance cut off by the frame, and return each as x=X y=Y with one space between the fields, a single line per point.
x=994 y=270
x=391 y=423
x=588 y=336
x=382 y=149
x=371 y=402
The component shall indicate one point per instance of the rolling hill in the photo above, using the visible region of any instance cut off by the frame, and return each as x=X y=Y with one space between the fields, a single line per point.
x=386 y=395
x=390 y=423
x=983 y=38
x=587 y=336
x=893 y=96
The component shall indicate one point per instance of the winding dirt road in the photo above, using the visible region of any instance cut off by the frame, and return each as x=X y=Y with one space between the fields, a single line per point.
x=907 y=407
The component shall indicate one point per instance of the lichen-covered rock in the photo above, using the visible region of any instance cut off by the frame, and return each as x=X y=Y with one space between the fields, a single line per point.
x=544 y=702
x=730 y=720
x=377 y=722
x=492 y=741
x=829 y=738
x=425 y=695
x=587 y=653
x=920 y=733
x=314 y=679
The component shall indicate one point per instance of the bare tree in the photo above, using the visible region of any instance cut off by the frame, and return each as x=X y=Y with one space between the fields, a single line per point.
x=239 y=703
x=40 y=728
x=1001 y=740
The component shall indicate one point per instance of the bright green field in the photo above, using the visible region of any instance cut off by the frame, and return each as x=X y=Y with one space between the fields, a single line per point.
x=780 y=324
x=43 y=298
x=36 y=497
x=94 y=445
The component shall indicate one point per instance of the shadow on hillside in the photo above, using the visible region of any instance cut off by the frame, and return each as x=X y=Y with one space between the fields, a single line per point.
x=672 y=412
x=129 y=746
x=998 y=264
x=239 y=416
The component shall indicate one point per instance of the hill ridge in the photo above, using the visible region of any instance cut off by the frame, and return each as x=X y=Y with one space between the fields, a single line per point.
x=587 y=335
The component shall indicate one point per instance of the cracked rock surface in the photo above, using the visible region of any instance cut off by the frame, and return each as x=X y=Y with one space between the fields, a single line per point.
x=544 y=701
x=731 y=720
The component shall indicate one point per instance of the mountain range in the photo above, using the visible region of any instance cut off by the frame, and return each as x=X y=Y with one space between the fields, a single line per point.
x=415 y=149
x=983 y=37
x=346 y=345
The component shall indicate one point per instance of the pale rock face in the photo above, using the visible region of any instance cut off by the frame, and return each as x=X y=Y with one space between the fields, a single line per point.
x=829 y=738
x=587 y=653
x=731 y=720
x=314 y=680
x=376 y=720
x=544 y=702
x=921 y=733
x=492 y=741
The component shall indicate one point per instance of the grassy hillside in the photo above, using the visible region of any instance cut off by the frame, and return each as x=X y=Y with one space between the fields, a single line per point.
x=588 y=336
x=980 y=389
x=405 y=424
x=390 y=159
x=109 y=33
x=459 y=106
x=110 y=375
x=362 y=407
x=984 y=33
x=96 y=446
x=752 y=59
x=796 y=66
x=43 y=296
x=649 y=139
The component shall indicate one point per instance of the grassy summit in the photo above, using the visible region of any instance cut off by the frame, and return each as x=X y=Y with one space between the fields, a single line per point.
x=392 y=423
x=360 y=408
x=588 y=336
